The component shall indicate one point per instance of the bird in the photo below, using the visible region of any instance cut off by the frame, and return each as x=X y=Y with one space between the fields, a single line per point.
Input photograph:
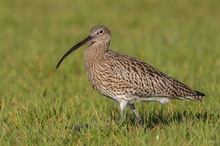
x=125 y=79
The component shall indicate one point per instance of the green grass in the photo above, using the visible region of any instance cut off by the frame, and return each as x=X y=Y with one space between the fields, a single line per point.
x=40 y=105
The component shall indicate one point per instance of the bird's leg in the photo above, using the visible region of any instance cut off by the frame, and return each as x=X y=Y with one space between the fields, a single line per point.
x=161 y=110
x=139 y=119
x=123 y=105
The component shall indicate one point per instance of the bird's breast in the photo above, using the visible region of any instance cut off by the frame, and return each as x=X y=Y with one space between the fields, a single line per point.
x=98 y=77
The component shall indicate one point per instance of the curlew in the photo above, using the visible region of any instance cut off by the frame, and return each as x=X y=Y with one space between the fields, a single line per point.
x=126 y=79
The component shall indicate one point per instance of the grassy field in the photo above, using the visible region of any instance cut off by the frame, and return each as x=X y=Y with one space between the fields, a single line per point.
x=40 y=105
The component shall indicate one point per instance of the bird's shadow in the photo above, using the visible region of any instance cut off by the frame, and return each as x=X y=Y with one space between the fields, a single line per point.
x=155 y=119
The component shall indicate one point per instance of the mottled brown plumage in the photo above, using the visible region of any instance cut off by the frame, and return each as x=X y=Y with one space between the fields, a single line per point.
x=126 y=79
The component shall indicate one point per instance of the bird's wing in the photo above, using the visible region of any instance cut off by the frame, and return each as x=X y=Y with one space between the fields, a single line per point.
x=141 y=79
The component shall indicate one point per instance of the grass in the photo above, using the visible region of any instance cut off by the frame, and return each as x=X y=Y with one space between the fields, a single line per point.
x=40 y=105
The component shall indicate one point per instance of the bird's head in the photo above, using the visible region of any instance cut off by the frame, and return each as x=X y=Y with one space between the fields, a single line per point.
x=97 y=34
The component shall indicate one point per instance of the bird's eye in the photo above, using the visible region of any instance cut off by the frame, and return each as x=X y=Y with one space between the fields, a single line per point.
x=101 y=31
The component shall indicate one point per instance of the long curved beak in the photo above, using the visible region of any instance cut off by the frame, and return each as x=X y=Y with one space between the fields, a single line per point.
x=83 y=42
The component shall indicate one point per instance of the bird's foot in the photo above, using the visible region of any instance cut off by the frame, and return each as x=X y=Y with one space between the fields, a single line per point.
x=140 y=121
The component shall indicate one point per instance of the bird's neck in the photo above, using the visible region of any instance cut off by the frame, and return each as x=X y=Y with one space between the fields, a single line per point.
x=95 y=52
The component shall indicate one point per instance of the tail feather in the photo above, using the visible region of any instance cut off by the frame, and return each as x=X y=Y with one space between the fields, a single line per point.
x=199 y=95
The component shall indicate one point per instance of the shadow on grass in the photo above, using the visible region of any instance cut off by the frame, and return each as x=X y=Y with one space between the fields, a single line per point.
x=154 y=119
